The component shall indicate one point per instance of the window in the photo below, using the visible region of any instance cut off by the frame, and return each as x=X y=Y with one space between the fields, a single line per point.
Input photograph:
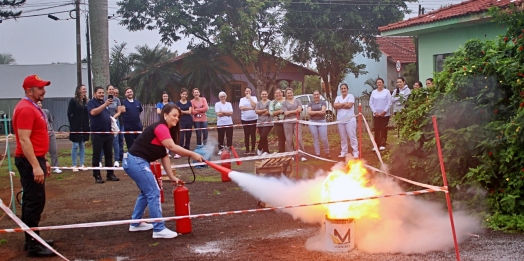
x=439 y=61
x=237 y=92
x=304 y=100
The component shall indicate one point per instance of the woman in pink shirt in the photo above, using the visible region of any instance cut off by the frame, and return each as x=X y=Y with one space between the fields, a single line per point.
x=200 y=108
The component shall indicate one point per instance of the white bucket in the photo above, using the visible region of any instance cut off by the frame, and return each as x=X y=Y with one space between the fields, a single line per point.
x=340 y=234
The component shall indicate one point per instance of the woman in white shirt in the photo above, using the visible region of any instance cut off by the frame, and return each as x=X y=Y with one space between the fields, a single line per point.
x=224 y=110
x=249 y=118
x=348 y=124
x=380 y=104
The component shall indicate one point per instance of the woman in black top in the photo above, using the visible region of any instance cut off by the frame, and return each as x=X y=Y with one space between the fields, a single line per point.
x=151 y=145
x=78 y=122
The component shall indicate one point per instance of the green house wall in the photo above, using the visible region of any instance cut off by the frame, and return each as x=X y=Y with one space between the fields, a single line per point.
x=448 y=41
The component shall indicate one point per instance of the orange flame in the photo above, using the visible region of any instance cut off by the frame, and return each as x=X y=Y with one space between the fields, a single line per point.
x=353 y=184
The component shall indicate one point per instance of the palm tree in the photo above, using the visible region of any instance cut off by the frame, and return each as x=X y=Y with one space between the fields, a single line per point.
x=151 y=72
x=7 y=58
x=119 y=65
x=206 y=70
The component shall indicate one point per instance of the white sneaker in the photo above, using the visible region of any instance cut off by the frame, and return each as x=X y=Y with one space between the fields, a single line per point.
x=382 y=148
x=117 y=164
x=265 y=153
x=75 y=169
x=259 y=152
x=303 y=159
x=166 y=233
x=57 y=170
x=342 y=155
x=141 y=227
x=373 y=149
x=83 y=167
x=100 y=164
x=177 y=156
x=220 y=152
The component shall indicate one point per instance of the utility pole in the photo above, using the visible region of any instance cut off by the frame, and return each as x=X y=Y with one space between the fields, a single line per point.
x=78 y=44
x=88 y=45
x=99 y=40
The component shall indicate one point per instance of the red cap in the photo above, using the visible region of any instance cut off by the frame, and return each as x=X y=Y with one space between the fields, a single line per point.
x=34 y=81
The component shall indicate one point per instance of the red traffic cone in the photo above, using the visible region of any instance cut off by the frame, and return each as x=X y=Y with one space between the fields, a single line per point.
x=235 y=154
x=223 y=170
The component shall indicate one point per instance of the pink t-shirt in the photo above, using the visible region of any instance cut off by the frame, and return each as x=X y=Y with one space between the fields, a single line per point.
x=199 y=109
x=161 y=133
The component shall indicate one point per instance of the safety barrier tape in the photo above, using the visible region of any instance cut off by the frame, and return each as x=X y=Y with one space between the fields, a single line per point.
x=11 y=174
x=268 y=156
x=129 y=221
x=25 y=228
x=381 y=171
x=377 y=151
x=218 y=127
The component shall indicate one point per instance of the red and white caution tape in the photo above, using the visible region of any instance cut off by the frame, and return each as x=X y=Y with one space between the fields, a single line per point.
x=25 y=228
x=129 y=221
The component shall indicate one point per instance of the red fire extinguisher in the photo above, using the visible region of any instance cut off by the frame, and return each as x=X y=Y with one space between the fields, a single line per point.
x=181 y=200
x=157 y=171
x=225 y=155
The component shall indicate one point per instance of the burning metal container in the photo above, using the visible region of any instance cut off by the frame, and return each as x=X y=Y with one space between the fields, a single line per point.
x=340 y=234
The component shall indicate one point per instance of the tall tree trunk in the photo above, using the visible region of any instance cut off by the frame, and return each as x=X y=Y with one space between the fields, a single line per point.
x=99 y=40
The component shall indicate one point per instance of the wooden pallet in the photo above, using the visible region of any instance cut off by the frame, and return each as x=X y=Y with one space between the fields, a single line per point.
x=274 y=166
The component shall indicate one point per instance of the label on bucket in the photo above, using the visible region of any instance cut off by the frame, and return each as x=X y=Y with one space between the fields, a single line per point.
x=339 y=235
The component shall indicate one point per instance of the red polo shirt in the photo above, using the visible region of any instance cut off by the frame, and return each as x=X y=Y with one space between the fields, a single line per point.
x=27 y=116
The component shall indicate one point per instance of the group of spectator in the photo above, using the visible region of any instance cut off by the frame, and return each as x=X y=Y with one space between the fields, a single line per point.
x=95 y=119
x=381 y=101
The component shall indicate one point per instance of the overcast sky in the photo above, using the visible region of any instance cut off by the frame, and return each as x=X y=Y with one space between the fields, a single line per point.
x=40 y=40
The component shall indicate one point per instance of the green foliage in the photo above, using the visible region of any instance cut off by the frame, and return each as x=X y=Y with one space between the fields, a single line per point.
x=7 y=58
x=119 y=66
x=499 y=221
x=410 y=74
x=478 y=103
x=10 y=4
x=151 y=73
x=332 y=33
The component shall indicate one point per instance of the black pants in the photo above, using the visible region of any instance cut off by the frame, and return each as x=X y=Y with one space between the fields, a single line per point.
x=264 y=132
x=33 y=198
x=102 y=142
x=250 y=131
x=228 y=131
x=185 y=136
x=380 y=125
x=279 y=129
x=130 y=139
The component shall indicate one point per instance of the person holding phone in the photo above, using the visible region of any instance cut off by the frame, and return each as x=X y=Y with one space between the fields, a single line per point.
x=115 y=114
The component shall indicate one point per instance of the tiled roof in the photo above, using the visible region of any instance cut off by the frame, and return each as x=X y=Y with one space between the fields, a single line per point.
x=465 y=8
x=398 y=48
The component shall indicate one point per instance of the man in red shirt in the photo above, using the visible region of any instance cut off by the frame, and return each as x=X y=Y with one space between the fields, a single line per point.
x=32 y=143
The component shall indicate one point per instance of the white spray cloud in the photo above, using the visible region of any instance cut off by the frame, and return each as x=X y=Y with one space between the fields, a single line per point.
x=407 y=224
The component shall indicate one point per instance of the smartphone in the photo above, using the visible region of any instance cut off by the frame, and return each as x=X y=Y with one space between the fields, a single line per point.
x=110 y=96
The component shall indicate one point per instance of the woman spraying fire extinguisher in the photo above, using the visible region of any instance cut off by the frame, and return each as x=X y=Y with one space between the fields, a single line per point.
x=150 y=146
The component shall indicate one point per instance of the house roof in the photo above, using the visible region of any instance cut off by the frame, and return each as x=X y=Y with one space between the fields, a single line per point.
x=465 y=8
x=398 y=48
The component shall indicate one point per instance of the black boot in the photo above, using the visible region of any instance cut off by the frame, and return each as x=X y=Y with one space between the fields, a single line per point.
x=49 y=242
x=36 y=249
x=98 y=179
x=112 y=177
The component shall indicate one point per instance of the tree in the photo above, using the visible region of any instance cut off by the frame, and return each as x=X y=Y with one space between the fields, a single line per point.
x=10 y=4
x=99 y=42
x=248 y=31
x=205 y=70
x=333 y=33
x=7 y=58
x=478 y=101
x=119 y=65
x=151 y=72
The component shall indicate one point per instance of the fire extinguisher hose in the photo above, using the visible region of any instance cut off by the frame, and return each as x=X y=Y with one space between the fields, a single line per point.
x=192 y=170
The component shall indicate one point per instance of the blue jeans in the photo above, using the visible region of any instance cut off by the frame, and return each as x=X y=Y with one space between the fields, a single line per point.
x=319 y=131
x=76 y=147
x=139 y=170
x=200 y=132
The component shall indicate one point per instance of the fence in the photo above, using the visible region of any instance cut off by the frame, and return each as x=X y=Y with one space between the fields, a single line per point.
x=150 y=116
